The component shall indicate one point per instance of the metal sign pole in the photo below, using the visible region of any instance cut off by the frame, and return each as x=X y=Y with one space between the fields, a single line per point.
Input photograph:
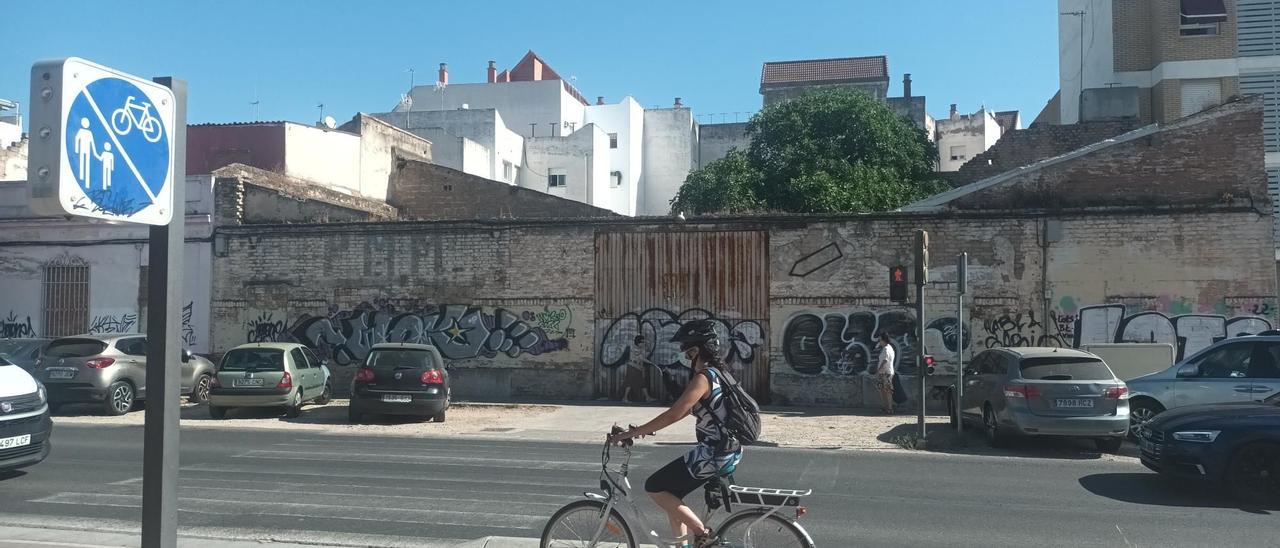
x=922 y=277
x=962 y=279
x=164 y=349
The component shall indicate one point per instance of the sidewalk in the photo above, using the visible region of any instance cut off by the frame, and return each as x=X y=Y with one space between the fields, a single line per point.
x=43 y=533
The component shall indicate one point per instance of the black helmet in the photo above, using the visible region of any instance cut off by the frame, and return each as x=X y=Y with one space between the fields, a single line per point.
x=696 y=333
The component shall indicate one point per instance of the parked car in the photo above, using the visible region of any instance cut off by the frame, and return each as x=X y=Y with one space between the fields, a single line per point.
x=24 y=418
x=1235 y=445
x=400 y=379
x=23 y=352
x=269 y=375
x=111 y=370
x=1238 y=370
x=1045 y=392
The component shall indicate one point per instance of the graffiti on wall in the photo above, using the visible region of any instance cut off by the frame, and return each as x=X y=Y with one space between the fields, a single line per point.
x=843 y=343
x=742 y=338
x=16 y=327
x=1019 y=329
x=188 y=332
x=113 y=323
x=1188 y=333
x=552 y=320
x=457 y=331
x=266 y=328
x=816 y=261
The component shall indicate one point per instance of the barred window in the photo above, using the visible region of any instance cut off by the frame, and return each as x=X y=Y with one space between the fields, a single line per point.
x=66 y=297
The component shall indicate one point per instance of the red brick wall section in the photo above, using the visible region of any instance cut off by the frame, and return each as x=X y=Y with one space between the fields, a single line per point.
x=1215 y=157
x=1024 y=147
x=431 y=192
x=210 y=147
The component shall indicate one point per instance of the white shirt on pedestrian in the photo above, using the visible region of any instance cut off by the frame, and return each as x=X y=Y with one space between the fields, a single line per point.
x=884 y=366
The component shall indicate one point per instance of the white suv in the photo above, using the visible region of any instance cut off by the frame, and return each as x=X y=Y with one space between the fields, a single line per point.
x=25 y=425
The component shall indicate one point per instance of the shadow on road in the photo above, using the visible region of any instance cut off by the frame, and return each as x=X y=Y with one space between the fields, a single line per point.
x=11 y=474
x=1152 y=489
x=942 y=438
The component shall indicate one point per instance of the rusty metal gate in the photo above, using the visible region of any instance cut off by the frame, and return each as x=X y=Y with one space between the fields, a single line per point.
x=651 y=282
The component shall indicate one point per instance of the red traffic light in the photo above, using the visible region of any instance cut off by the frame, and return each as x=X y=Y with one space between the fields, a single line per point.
x=928 y=360
x=899 y=274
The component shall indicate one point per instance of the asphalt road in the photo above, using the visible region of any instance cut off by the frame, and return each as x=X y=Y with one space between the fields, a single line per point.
x=386 y=491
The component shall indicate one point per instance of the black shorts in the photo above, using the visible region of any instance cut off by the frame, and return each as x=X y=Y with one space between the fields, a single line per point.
x=673 y=478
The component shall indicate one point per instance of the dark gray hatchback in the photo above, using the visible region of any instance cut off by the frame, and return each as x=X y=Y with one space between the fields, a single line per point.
x=400 y=379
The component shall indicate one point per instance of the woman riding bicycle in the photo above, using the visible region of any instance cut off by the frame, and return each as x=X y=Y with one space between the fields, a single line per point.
x=716 y=452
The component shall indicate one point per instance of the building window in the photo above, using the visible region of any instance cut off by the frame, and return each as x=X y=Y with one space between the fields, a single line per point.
x=508 y=171
x=613 y=140
x=556 y=178
x=958 y=153
x=615 y=177
x=1201 y=17
x=66 y=298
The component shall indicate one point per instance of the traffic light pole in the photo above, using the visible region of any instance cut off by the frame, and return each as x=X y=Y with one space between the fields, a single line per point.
x=962 y=287
x=922 y=277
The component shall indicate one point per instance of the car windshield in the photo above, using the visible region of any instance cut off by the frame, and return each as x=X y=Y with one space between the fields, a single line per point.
x=1066 y=369
x=16 y=348
x=75 y=348
x=401 y=357
x=253 y=359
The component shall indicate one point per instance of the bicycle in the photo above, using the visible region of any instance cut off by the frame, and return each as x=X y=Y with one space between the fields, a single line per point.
x=604 y=520
x=124 y=119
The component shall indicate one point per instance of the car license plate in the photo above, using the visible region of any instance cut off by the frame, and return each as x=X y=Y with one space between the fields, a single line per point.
x=16 y=441
x=61 y=374
x=246 y=382
x=1075 y=403
x=397 y=398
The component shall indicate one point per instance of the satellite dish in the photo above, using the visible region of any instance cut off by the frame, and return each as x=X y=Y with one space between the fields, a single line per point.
x=329 y=122
x=406 y=102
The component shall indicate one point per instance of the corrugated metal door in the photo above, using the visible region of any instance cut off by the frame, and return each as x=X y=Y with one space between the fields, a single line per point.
x=650 y=283
x=1198 y=95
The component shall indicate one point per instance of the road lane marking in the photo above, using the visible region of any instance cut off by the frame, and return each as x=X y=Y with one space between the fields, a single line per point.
x=499 y=496
x=366 y=458
x=228 y=469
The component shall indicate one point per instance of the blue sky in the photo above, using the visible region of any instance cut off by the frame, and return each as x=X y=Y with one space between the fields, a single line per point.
x=352 y=56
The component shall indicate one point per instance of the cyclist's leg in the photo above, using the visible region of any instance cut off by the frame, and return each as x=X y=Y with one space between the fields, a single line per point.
x=668 y=487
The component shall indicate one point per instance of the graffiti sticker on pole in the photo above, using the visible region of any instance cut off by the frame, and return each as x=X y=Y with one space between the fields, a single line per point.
x=102 y=143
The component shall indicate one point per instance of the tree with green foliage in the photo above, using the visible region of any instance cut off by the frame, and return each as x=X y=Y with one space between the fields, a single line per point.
x=830 y=151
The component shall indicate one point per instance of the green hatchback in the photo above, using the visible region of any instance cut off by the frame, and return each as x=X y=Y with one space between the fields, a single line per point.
x=269 y=375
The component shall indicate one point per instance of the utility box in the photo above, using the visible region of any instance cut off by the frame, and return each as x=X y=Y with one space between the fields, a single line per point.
x=1132 y=360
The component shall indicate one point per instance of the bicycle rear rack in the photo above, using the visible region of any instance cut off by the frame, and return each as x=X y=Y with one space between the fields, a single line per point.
x=764 y=496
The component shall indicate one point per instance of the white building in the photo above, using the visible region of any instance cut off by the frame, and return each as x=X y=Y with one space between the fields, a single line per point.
x=960 y=137
x=527 y=126
x=13 y=143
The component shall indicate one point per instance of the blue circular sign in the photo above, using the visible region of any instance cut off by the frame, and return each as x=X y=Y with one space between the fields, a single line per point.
x=117 y=146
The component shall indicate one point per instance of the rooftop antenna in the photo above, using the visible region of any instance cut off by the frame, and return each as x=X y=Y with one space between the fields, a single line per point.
x=321 y=107
x=410 y=71
x=254 y=103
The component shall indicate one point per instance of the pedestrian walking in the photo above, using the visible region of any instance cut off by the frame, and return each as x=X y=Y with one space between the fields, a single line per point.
x=637 y=378
x=884 y=372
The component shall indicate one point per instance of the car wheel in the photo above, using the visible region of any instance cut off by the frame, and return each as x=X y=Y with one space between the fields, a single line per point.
x=295 y=408
x=326 y=396
x=217 y=413
x=1109 y=445
x=438 y=417
x=200 y=393
x=120 y=398
x=991 y=427
x=354 y=416
x=1140 y=413
x=1253 y=474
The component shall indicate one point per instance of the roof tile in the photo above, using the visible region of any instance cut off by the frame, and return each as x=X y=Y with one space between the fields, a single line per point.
x=825 y=70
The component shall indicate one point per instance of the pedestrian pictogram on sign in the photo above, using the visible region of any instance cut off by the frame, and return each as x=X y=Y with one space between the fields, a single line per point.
x=898 y=284
x=114 y=157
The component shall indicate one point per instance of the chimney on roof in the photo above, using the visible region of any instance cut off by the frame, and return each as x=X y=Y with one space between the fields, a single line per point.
x=678 y=103
x=599 y=99
x=444 y=74
x=493 y=72
x=954 y=113
x=906 y=85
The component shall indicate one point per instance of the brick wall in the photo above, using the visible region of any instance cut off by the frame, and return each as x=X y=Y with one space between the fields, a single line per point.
x=248 y=195
x=1215 y=157
x=1131 y=32
x=1027 y=146
x=431 y=192
x=1167 y=43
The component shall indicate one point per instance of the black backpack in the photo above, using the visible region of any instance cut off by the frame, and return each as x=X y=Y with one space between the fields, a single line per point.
x=743 y=413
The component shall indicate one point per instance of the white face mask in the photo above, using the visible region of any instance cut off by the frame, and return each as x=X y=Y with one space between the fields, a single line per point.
x=685 y=360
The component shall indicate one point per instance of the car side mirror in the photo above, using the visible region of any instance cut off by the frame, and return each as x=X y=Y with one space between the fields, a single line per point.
x=1188 y=371
x=186 y=355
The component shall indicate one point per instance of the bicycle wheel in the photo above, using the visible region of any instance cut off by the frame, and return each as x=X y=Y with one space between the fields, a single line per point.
x=772 y=532
x=573 y=526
